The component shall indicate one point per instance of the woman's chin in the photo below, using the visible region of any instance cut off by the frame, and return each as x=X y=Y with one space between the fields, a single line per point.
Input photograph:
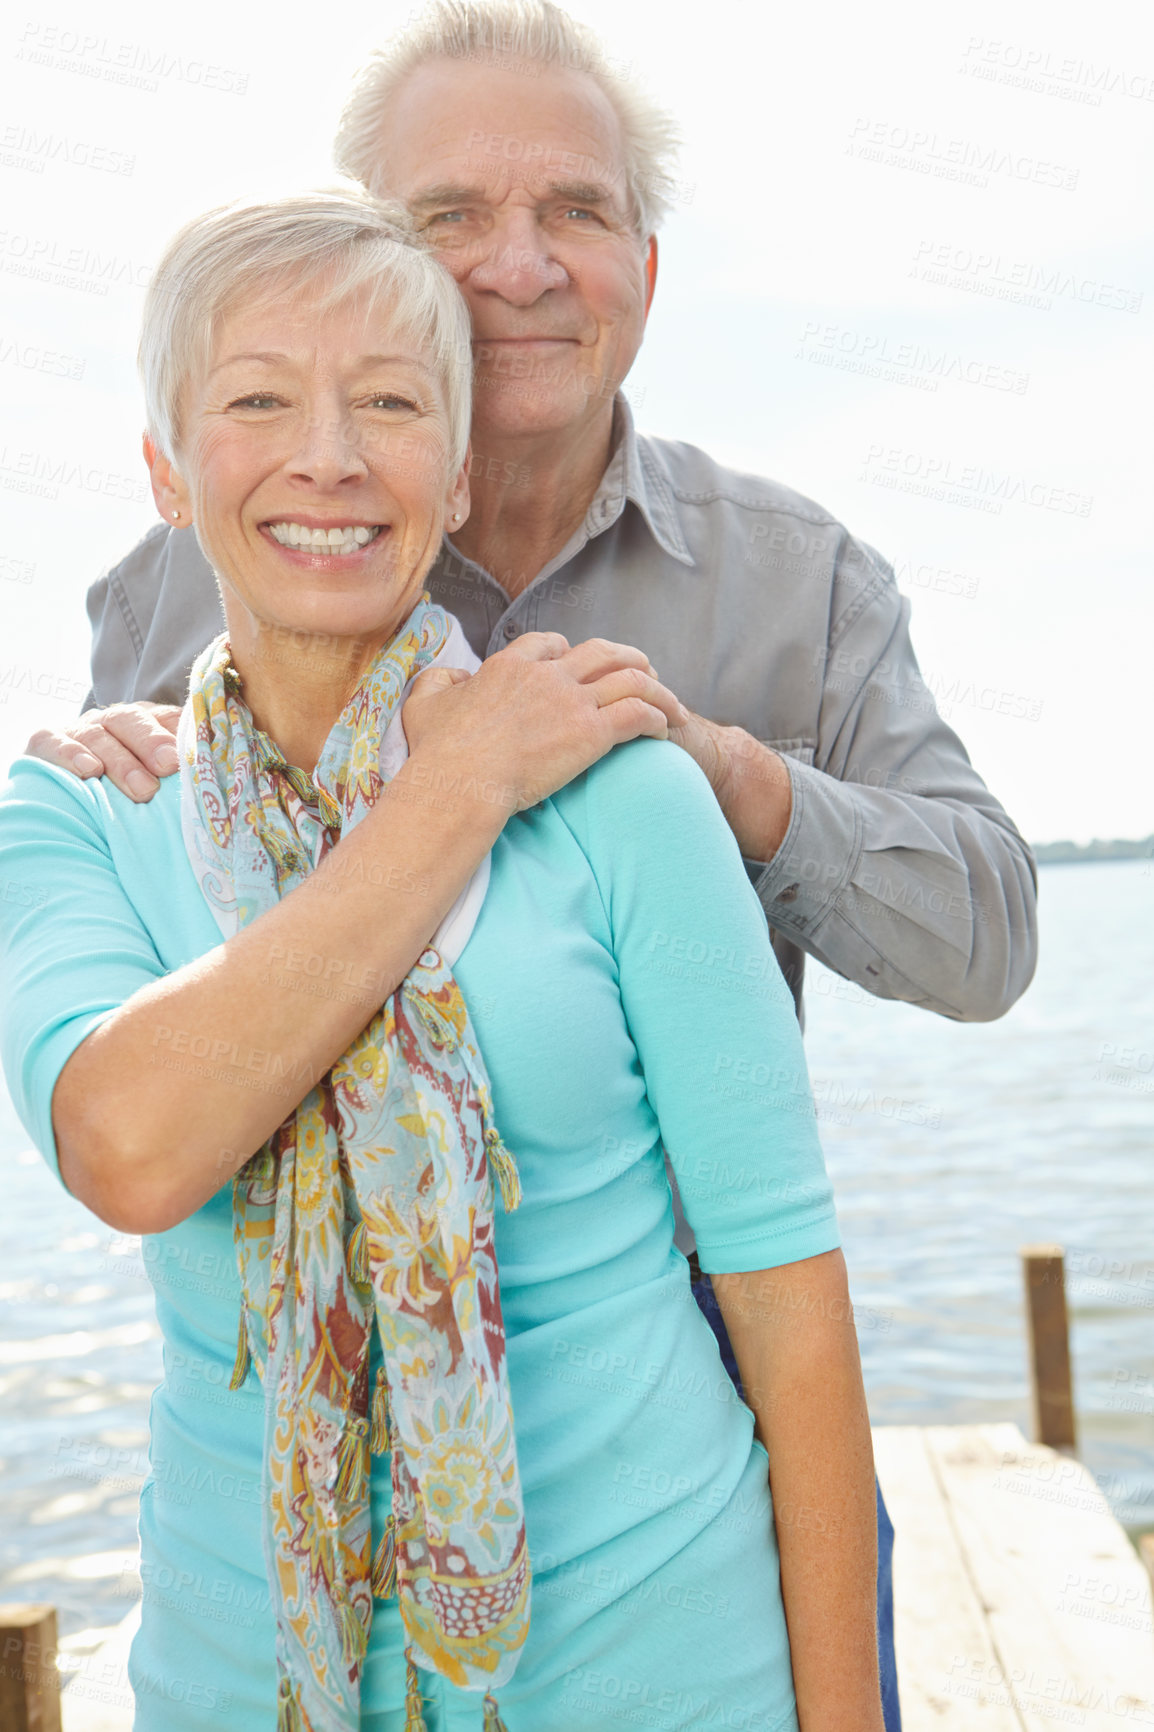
x=328 y=616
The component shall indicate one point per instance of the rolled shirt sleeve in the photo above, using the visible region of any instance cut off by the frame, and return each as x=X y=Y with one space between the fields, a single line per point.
x=900 y=870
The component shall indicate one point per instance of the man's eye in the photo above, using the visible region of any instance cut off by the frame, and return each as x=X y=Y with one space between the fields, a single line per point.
x=577 y=211
x=447 y=216
x=390 y=400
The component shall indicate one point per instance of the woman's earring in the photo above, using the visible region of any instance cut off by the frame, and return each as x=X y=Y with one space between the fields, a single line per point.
x=176 y=517
x=456 y=516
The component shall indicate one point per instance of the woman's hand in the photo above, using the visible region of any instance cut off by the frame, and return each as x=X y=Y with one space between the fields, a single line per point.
x=533 y=716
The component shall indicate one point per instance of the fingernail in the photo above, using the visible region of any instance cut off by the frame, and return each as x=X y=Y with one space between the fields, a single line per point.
x=140 y=784
x=86 y=764
x=166 y=759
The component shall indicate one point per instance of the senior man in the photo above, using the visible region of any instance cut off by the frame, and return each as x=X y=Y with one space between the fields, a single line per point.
x=540 y=178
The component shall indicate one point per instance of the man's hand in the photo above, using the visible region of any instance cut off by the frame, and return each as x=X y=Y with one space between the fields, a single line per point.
x=131 y=744
x=751 y=782
x=536 y=714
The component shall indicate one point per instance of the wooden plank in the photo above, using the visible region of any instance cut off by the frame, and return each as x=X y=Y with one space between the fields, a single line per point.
x=29 y=1681
x=940 y=1629
x=1051 y=1383
x=1067 y=1599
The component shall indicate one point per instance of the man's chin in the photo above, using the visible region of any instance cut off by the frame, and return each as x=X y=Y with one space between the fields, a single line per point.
x=506 y=408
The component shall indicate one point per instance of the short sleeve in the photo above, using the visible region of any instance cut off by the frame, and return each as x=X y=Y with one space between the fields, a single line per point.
x=72 y=946
x=710 y=1014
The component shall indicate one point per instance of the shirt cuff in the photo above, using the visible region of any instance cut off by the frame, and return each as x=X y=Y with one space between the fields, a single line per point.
x=818 y=855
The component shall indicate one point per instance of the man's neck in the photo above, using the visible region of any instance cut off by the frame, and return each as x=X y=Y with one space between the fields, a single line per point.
x=528 y=495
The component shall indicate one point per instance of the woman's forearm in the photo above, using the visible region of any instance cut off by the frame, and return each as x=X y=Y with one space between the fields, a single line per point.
x=161 y=1104
x=793 y=1335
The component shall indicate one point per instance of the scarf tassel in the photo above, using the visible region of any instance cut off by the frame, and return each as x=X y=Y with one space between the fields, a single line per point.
x=503 y=1168
x=243 y=1357
x=357 y=1254
x=352 y=1481
x=379 y=1417
x=414 y=1707
x=289 y=1715
x=384 y=1581
x=493 y=1720
x=354 y=1636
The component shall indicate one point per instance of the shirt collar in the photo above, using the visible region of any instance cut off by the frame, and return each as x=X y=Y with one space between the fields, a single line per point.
x=637 y=473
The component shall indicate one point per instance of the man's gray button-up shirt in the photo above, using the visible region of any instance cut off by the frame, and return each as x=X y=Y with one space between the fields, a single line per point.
x=899 y=870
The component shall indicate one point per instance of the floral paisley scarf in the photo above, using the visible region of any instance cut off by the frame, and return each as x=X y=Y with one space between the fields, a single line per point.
x=369 y=1210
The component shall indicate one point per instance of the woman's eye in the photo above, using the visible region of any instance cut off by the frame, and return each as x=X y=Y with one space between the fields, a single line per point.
x=390 y=400
x=255 y=400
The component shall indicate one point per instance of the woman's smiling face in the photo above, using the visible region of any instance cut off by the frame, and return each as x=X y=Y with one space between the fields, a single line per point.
x=314 y=463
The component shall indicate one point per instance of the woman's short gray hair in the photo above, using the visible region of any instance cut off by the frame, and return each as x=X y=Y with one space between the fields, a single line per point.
x=335 y=241
x=519 y=35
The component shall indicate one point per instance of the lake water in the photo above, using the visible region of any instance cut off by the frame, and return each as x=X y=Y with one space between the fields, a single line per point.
x=950 y=1147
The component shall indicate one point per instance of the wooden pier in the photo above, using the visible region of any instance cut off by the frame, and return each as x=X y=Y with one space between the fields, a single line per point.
x=1019 y=1603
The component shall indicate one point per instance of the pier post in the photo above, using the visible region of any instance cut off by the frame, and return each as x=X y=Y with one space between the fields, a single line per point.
x=29 y=1680
x=1043 y=1267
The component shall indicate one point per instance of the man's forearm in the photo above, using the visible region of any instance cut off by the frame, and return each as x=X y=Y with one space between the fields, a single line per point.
x=793 y=1335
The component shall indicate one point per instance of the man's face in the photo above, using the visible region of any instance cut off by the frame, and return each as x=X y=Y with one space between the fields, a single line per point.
x=517 y=179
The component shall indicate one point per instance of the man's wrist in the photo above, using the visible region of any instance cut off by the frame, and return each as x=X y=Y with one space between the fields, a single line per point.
x=754 y=791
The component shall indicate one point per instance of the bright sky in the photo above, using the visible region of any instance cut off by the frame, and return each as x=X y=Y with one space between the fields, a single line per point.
x=909 y=275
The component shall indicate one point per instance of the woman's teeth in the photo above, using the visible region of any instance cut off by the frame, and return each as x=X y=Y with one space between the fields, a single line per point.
x=322 y=540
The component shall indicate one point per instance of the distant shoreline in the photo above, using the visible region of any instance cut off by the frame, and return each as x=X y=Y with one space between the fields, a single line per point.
x=1067 y=853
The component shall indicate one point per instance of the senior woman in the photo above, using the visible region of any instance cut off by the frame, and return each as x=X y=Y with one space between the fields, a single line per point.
x=355 y=1013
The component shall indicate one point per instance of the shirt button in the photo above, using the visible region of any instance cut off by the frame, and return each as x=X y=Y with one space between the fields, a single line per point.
x=511 y=630
x=430 y=959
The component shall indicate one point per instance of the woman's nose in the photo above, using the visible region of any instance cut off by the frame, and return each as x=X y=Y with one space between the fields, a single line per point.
x=331 y=450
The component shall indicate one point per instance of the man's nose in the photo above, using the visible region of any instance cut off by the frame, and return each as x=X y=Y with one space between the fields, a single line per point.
x=330 y=450
x=517 y=264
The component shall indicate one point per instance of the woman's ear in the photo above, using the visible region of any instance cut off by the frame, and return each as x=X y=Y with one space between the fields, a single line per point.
x=457 y=497
x=168 y=489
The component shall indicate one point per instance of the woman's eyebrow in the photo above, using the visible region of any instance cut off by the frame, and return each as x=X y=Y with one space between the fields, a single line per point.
x=229 y=360
x=272 y=360
x=393 y=360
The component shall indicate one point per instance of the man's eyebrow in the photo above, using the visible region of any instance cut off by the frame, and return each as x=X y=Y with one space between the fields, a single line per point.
x=580 y=191
x=446 y=194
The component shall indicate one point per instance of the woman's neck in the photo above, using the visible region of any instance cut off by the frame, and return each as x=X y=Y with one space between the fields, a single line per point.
x=297 y=683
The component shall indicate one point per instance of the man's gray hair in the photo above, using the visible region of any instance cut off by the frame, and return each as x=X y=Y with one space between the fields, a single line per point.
x=332 y=243
x=519 y=36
